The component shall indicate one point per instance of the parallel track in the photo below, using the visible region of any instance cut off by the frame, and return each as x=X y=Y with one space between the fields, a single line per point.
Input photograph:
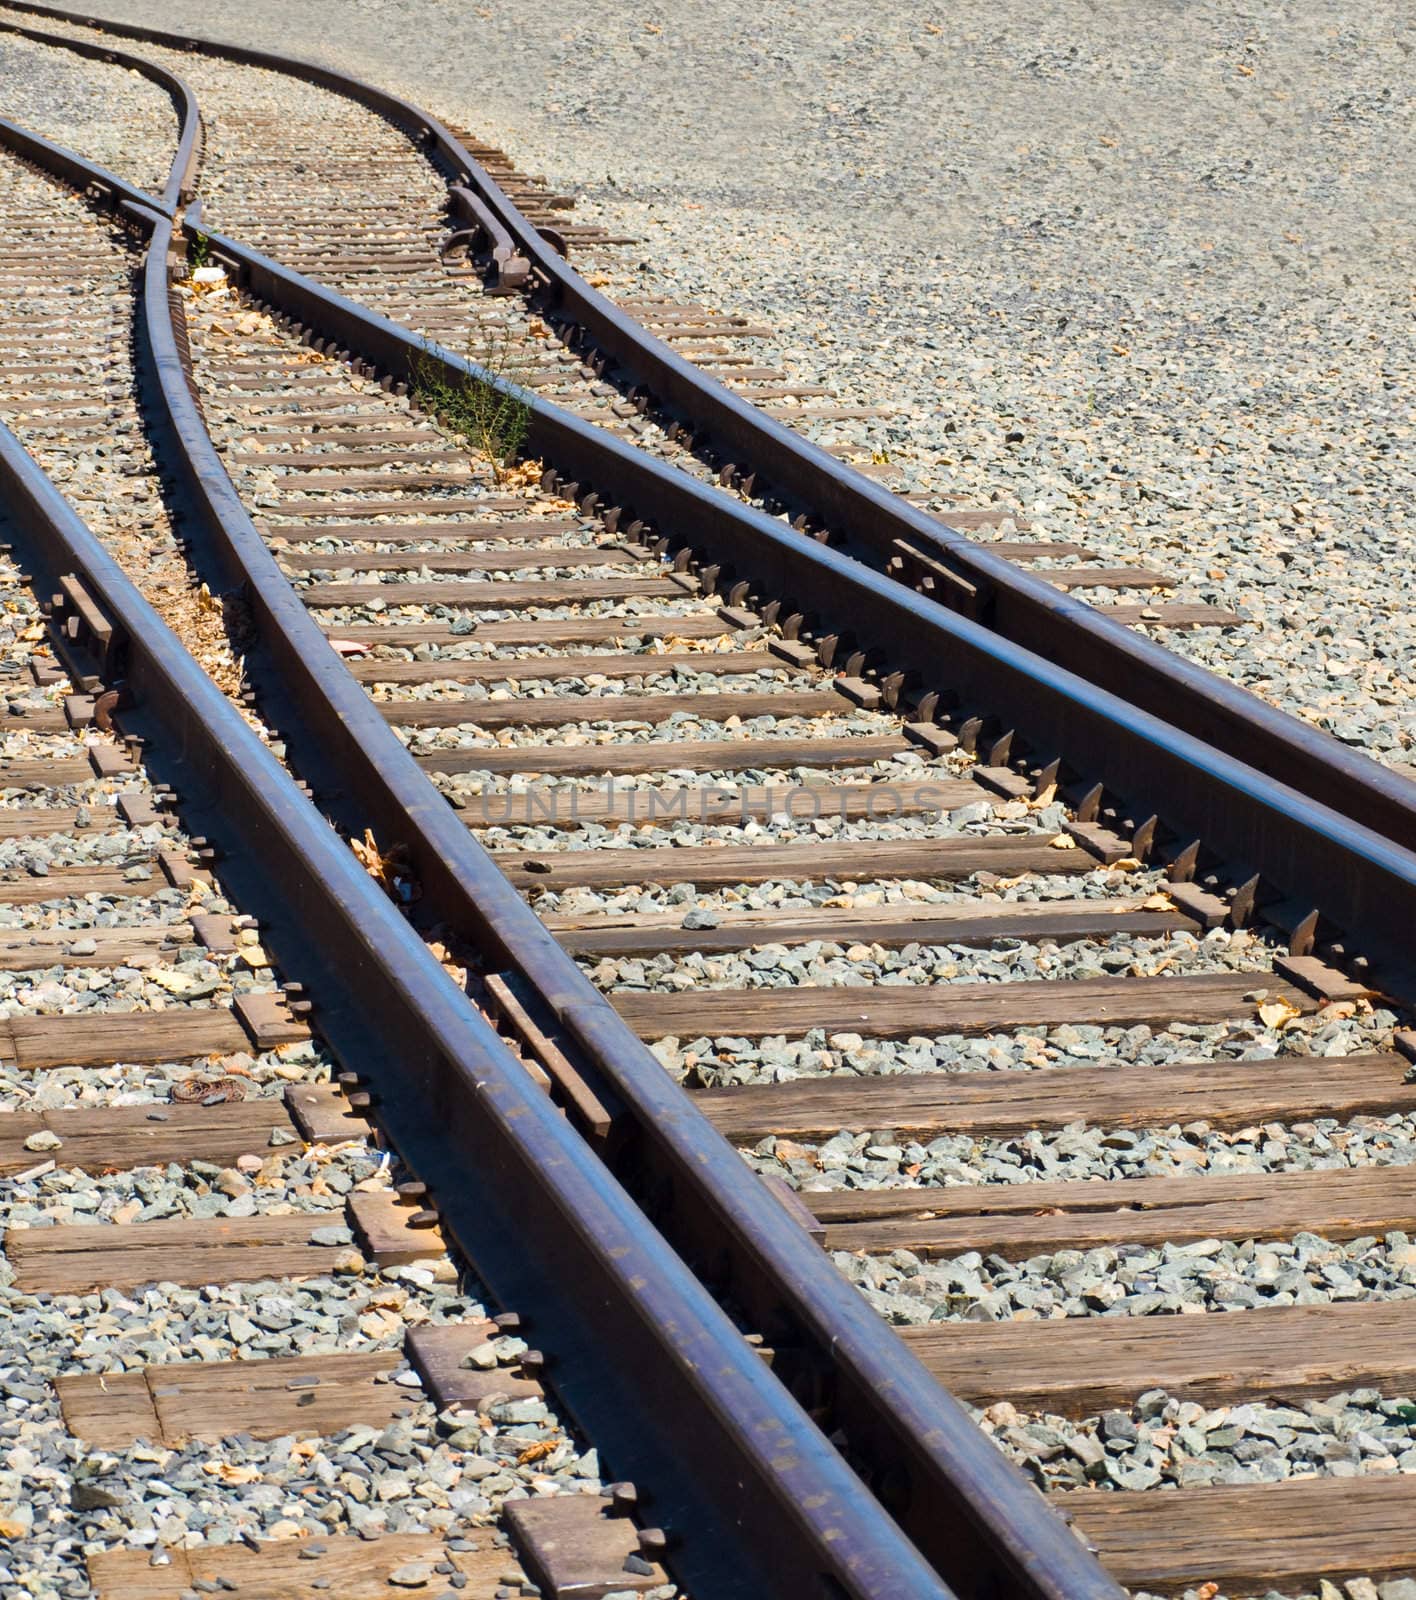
x=515 y=646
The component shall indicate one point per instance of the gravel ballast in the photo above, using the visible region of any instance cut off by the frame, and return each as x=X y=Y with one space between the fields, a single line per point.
x=1139 y=283
x=1143 y=281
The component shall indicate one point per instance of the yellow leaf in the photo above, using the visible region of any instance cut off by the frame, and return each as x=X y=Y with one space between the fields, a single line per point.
x=1275 y=1013
x=1061 y=841
x=537 y=1451
x=228 y=1473
x=1160 y=901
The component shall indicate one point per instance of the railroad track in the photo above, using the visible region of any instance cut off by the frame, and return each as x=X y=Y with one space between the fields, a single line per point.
x=723 y=433
x=280 y=1227
x=400 y=245
x=820 y=844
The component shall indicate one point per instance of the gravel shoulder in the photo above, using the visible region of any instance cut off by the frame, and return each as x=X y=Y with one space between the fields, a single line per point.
x=109 y=113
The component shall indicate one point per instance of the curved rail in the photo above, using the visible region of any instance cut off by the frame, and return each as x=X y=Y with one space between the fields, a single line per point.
x=1364 y=880
x=1015 y=603
x=644 y=1356
x=181 y=182
x=967 y=1507
x=1359 y=877
x=1235 y=809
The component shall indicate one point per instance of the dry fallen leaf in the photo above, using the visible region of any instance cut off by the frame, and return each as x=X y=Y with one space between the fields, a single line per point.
x=1061 y=841
x=537 y=1452
x=1159 y=901
x=373 y=860
x=1276 y=1013
x=229 y=1473
x=527 y=473
x=1139 y=969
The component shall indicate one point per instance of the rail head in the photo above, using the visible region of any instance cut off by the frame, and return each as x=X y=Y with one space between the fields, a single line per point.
x=1011 y=1537
x=1371 y=881
x=186 y=159
x=1236 y=806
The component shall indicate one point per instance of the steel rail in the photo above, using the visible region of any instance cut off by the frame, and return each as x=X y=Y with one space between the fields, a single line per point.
x=1235 y=802
x=512 y=269
x=1232 y=807
x=952 y=1484
x=182 y=174
x=1364 y=882
x=969 y=1509
x=1017 y=604
x=661 y=1379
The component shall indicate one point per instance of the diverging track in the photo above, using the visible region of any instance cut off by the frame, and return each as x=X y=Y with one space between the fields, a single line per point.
x=515 y=1186
x=640 y=365
x=880 y=889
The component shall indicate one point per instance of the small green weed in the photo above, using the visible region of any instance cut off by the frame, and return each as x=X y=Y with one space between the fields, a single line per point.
x=200 y=253
x=493 y=420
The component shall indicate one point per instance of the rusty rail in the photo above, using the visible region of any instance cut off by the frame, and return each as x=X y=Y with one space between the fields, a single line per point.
x=512 y=269
x=644 y=1357
x=954 y=1494
x=970 y=1511
x=959 y=1500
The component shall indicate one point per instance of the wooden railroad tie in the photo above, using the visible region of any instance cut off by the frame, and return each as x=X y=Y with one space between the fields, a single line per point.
x=1019 y=1220
x=931 y=860
x=77 y=1258
x=1252 y=1537
x=696 y=755
x=897 y=1012
x=1223 y=1094
x=569 y=1545
x=1079 y=1366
